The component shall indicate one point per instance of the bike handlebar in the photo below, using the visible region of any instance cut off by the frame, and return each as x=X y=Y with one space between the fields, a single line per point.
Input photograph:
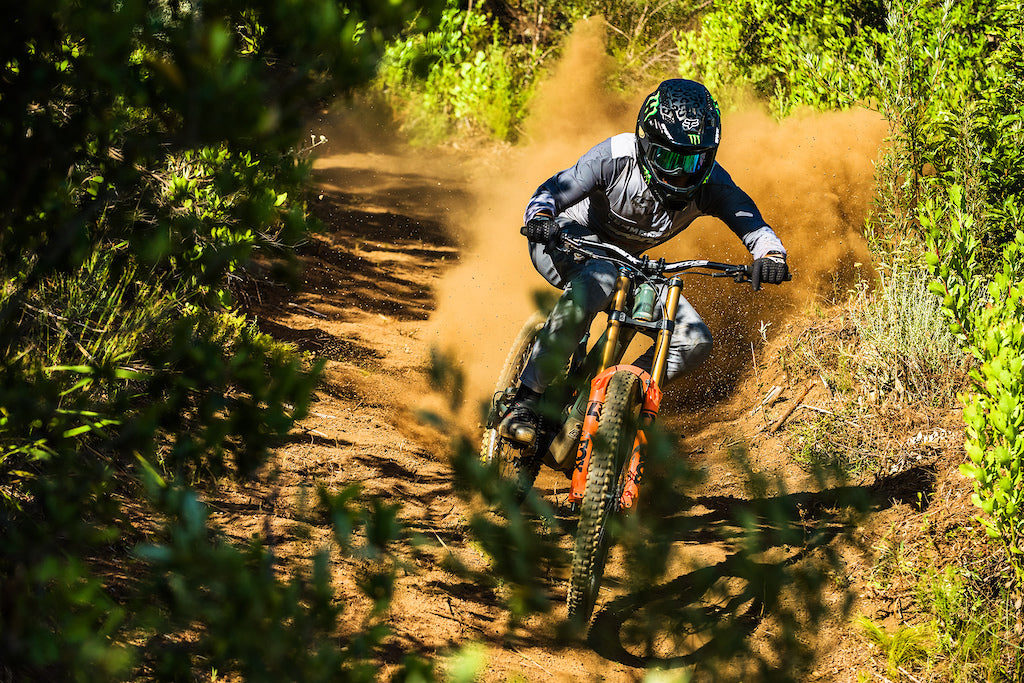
x=644 y=265
x=660 y=267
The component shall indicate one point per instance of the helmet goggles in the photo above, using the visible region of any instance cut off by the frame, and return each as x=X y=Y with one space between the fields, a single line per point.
x=675 y=163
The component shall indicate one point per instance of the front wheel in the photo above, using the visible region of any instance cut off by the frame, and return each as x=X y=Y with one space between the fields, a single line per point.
x=516 y=464
x=605 y=479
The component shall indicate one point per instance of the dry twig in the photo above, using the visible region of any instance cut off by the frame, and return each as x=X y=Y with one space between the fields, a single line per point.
x=789 y=411
x=768 y=399
x=532 y=661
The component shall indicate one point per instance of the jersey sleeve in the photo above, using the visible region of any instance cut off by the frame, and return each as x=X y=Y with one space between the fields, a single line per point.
x=594 y=171
x=722 y=198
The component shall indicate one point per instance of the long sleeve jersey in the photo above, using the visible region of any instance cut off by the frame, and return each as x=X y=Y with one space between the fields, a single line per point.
x=605 y=191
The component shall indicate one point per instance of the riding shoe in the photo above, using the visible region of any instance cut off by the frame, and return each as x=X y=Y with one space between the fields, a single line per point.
x=520 y=424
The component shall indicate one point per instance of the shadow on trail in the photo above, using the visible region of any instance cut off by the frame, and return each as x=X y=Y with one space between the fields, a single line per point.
x=780 y=564
x=380 y=257
x=373 y=256
x=323 y=344
x=808 y=510
x=419 y=198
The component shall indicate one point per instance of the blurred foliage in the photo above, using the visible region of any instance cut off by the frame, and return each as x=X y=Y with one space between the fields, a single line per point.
x=151 y=148
x=948 y=78
x=748 y=615
x=780 y=567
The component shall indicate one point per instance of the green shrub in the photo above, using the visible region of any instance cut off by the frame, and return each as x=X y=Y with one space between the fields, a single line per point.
x=986 y=312
x=149 y=152
x=641 y=35
x=794 y=53
x=460 y=78
x=940 y=70
x=907 y=348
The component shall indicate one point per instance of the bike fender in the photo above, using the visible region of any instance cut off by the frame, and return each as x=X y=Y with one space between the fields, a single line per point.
x=652 y=392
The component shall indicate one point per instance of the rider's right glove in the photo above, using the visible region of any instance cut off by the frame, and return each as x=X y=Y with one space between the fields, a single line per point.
x=770 y=269
x=541 y=229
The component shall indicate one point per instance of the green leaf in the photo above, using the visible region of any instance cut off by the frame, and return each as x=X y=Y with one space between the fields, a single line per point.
x=150 y=475
x=80 y=369
x=126 y=373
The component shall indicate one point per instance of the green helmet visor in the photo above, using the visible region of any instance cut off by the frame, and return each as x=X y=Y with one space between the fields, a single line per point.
x=676 y=163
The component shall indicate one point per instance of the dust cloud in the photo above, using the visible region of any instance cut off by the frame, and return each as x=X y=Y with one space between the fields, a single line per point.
x=485 y=299
x=812 y=178
x=810 y=175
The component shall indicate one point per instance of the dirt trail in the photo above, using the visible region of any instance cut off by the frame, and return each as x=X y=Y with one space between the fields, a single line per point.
x=379 y=287
x=420 y=254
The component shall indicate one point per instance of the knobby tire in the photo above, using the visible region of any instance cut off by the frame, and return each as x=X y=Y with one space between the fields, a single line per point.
x=516 y=465
x=613 y=443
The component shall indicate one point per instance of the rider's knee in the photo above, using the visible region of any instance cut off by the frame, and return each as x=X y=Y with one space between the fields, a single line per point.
x=601 y=274
x=593 y=287
x=698 y=353
x=700 y=335
x=691 y=352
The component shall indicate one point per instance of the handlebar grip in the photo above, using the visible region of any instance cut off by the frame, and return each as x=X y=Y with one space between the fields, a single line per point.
x=522 y=231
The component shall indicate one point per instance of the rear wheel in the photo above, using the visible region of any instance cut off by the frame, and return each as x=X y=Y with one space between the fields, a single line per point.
x=514 y=463
x=605 y=479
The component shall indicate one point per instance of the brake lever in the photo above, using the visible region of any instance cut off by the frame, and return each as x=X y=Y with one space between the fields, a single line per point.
x=740 y=274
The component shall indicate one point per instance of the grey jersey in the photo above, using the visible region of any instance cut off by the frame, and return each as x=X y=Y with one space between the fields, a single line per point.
x=605 y=191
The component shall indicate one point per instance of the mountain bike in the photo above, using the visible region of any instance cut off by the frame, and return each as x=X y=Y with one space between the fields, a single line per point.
x=599 y=409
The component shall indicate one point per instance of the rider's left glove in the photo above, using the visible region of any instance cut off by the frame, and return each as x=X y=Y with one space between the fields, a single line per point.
x=769 y=269
x=542 y=229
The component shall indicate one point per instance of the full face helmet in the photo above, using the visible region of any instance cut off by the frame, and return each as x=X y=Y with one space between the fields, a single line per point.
x=677 y=132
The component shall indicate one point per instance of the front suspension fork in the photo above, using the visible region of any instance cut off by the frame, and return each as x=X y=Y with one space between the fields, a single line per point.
x=648 y=411
x=652 y=393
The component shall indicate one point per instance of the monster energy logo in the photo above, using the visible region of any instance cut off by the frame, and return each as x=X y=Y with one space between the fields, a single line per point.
x=651 y=105
x=694 y=138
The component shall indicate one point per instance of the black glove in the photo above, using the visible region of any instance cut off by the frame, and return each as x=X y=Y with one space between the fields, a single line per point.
x=542 y=230
x=770 y=269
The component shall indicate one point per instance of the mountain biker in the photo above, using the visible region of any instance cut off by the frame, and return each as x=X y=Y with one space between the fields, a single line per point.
x=634 y=190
